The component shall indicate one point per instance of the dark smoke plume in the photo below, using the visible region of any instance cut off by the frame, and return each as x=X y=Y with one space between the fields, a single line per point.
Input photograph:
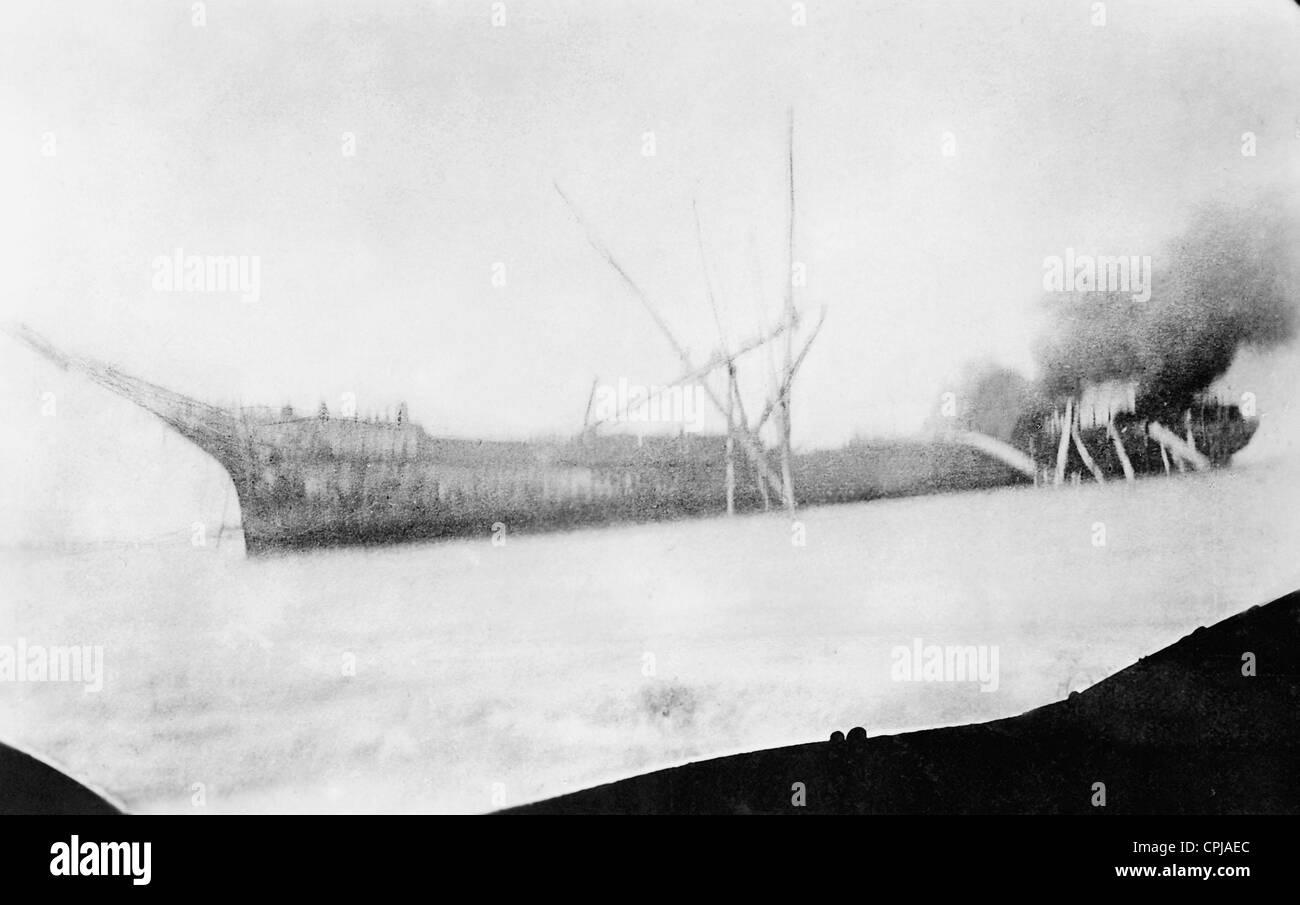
x=1229 y=281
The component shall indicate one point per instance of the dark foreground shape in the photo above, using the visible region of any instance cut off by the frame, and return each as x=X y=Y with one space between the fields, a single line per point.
x=1180 y=732
x=28 y=786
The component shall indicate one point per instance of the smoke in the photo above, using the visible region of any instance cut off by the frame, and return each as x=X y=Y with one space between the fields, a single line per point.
x=1228 y=281
x=991 y=399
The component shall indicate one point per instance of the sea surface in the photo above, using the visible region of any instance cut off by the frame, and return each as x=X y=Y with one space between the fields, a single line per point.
x=465 y=676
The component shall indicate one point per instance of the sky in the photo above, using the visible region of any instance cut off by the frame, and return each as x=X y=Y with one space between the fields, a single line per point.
x=393 y=169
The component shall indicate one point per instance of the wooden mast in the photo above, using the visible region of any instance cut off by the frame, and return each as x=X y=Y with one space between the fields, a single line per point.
x=789 y=379
x=724 y=348
x=1063 y=448
x=738 y=429
x=742 y=424
x=1119 y=449
x=1183 y=451
x=1084 y=454
x=787 y=480
x=758 y=299
x=699 y=373
x=731 y=438
x=747 y=441
x=591 y=397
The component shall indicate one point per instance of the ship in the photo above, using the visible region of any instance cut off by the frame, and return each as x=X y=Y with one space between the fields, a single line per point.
x=319 y=480
x=1128 y=444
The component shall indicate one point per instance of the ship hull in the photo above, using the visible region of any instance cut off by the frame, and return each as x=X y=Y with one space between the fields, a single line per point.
x=307 y=483
x=319 y=482
x=310 y=483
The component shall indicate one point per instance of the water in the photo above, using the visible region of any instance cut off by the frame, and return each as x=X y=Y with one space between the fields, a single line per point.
x=463 y=676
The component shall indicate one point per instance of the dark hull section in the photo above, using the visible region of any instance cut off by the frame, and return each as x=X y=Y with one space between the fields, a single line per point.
x=439 y=488
x=314 y=483
x=315 y=529
x=309 y=482
x=1218 y=436
x=878 y=470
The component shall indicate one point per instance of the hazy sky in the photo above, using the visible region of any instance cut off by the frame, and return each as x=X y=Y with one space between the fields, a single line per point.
x=131 y=132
